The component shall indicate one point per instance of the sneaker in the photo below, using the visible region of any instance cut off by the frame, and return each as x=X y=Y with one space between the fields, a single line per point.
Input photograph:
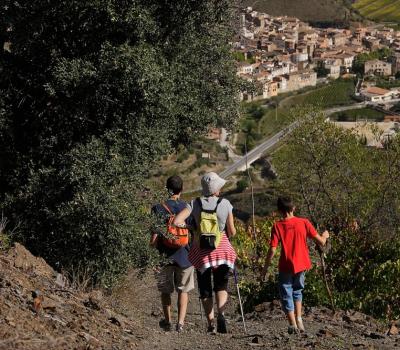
x=165 y=325
x=221 y=324
x=179 y=327
x=211 y=330
x=300 y=325
x=293 y=330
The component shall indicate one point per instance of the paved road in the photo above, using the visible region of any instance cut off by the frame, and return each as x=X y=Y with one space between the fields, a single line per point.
x=256 y=153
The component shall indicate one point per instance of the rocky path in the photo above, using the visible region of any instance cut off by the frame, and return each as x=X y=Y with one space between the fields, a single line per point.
x=64 y=318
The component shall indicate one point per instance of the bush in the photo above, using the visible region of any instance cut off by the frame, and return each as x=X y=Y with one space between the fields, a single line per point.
x=91 y=97
x=242 y=185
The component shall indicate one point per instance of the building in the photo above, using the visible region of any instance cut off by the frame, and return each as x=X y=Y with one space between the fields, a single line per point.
x=376 y=94
x=395 y=60
x=377 y=67
x=270 y=89
x=301 y=79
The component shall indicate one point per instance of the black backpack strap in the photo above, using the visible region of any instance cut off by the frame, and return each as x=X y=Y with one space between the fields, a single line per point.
x=218 y=201
x=198 y=201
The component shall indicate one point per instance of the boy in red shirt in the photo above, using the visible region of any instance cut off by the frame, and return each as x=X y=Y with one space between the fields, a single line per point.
x=292 y=233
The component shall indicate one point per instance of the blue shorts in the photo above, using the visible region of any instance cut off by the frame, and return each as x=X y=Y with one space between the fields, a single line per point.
x=291 y=289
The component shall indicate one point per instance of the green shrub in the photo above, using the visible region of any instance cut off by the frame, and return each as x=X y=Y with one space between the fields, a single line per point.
x=88 y=106
x=242 y=185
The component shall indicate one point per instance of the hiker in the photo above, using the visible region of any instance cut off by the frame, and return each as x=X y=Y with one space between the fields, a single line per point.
x=291 y=233
x=211 y=252
x=178 y=272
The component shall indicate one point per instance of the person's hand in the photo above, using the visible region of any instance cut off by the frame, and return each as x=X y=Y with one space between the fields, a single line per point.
x=325 y=234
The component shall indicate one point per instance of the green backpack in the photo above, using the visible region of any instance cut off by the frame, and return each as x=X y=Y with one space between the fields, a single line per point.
x=208 y=233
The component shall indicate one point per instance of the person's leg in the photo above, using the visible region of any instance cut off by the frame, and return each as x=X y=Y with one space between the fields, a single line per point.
x=165 y=284
x=286 y=293
x=298 y=286
x=184 y=283
x=221 y=277
x=204 y=281
x=166 y=306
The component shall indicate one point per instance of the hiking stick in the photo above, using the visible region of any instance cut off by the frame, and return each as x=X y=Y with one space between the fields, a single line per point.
x=240 y=299
x=328 y=290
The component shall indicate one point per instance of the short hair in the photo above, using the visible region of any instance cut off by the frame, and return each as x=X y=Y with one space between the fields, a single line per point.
x=174 y=184
x=285 y=205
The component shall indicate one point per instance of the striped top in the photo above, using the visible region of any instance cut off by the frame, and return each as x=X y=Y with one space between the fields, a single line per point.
x=202 y=259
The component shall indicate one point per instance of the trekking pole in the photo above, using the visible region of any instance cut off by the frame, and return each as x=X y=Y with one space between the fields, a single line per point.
x=321 y=253
x=235 y=275
x=200 y=307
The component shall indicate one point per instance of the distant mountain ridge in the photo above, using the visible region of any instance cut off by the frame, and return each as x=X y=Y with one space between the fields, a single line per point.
x=306 y=10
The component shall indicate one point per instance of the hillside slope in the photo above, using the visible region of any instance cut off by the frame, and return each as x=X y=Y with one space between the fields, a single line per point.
x=307 y=10
x=128 y=318
x=379 y=10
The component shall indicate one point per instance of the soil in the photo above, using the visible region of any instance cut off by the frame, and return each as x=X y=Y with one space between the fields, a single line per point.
x=61 y=317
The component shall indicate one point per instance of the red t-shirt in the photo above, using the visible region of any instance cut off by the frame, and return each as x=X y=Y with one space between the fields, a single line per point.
x=292 y=234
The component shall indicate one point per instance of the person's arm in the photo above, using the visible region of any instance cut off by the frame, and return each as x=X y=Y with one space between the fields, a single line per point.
x=181 y=217
x=268 y=260
x=230 y=225
x=321 y=239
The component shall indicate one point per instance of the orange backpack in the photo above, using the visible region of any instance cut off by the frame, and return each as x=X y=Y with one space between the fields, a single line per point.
x=176 y=237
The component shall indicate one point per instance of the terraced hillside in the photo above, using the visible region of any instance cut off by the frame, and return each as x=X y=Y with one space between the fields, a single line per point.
x=307 y=10
x=379 y=10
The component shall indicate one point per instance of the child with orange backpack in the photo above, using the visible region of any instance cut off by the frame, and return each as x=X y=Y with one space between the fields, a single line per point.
x=172 y=243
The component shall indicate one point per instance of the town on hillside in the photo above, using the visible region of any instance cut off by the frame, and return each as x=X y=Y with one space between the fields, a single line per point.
x=284 y=54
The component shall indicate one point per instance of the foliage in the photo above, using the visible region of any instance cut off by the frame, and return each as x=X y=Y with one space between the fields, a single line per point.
x=359 y=61
x=242 y=185
x=239 y=56
x=353 y=115
x=353 y=191
x=321 y=71
x=251 y=244
x=94 y=92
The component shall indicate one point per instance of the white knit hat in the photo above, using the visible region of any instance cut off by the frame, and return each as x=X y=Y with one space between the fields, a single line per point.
x=211 y=183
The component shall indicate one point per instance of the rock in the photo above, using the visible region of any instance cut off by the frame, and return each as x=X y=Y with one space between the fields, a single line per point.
x=95 y=300
x=255 y=340
x=355 y=317
x=24 y=260
x=326 y=333
x=61 y=280
x=49 y=304
x=393 y=330
x=359 y=344
x=261 y=307
x=374 y=335
x=89 y=338
x=117 y=320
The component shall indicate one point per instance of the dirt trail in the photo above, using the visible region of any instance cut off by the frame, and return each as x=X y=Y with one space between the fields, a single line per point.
x=128 y=318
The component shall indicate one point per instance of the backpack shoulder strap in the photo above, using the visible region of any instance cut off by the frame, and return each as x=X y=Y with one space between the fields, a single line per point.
x=165 y=206
x=218 y=202
x=198 y=201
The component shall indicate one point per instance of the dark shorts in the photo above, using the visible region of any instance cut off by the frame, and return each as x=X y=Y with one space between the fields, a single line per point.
x=220 y=279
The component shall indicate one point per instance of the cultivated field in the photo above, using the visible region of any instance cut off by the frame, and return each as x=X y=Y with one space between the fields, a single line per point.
x=380 y=10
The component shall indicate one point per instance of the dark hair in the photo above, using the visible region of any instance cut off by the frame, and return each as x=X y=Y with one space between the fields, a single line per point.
x=174 y=185
x=285 y=205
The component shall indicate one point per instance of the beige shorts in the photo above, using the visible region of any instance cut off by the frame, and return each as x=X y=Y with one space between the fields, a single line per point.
x=173 y=277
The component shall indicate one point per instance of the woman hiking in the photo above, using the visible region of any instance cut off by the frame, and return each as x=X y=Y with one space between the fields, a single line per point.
x=211 y=252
